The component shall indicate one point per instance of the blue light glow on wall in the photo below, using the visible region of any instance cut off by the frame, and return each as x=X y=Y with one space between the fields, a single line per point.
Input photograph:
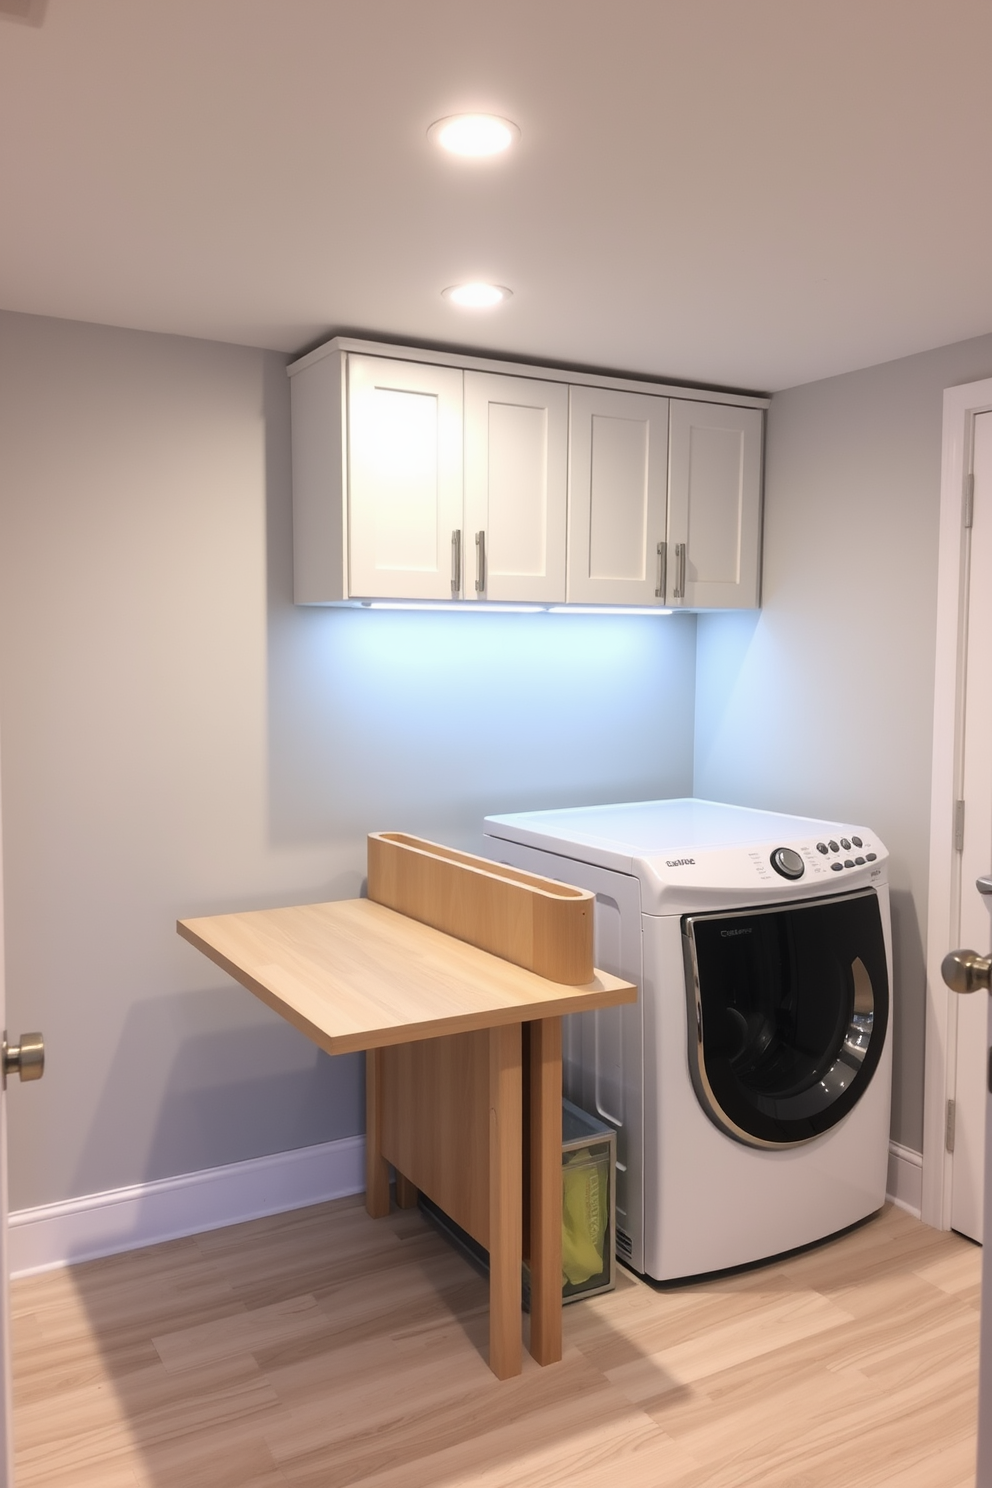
x=429 y=721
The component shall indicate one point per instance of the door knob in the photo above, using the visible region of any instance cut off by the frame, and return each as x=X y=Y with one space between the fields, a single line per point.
x=26 y=1059
x=966 y=971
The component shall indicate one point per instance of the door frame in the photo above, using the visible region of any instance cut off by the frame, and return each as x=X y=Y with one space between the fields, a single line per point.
x=961 y=404
x=6 y=1393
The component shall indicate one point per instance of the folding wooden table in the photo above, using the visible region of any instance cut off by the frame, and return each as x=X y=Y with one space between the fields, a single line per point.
x=448 y=1028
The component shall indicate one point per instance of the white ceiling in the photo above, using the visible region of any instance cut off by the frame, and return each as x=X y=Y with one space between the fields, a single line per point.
x=752 y=193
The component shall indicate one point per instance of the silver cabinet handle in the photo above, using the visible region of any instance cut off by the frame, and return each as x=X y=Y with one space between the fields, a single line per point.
x=659 y=593
x=679 y=590
x=984 y=885
x=480 y=563
x=456 y=562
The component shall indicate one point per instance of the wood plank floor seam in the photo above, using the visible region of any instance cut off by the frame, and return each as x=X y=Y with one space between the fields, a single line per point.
x=323 y=1349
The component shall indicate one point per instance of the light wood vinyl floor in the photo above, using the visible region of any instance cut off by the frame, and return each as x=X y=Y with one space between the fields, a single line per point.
x=323 y=1348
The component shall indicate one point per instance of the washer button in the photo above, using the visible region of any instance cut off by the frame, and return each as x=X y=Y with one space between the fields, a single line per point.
x=834 y=846
x=870 y=857
x=848 y=862
x=821 y=847
x=857 y=842
x=787 y=862
x=860 y=862
x=845 y=844
x=837 y=867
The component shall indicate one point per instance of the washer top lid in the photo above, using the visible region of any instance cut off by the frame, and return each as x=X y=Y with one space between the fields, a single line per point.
x=686 y=850
x=649 y=828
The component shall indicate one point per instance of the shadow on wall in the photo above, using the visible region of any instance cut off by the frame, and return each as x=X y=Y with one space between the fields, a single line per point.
x=25 y=12
x=909 y=999
x=724 y=644
x=207 y=1113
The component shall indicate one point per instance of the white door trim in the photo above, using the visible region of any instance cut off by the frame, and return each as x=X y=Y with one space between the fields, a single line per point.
x=961 y=404
x=6 y=1393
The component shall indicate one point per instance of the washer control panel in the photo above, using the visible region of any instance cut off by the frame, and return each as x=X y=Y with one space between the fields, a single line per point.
x=787 y=861
x=849 y=852
x=812 y=865
x=821 y=858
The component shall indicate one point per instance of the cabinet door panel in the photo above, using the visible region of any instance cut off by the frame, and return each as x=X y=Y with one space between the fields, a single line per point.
x=715 y=502
x=404 y=477
x=515 y=486
x=618 y=470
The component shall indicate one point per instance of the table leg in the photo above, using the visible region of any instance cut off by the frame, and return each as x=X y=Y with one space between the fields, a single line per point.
x=376 y=1167
x=505 y=1199
x=545 y=1190
x=406 y=1193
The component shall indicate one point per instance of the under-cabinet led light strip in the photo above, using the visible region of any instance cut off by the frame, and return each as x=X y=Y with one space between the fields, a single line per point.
x=606 y=610
x=485 y=608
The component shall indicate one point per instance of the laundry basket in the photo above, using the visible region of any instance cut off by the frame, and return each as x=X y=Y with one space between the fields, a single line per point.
x=588 y=1240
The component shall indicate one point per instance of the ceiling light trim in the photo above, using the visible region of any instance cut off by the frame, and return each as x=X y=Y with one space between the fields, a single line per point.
x=474 y=136
x=477 y=294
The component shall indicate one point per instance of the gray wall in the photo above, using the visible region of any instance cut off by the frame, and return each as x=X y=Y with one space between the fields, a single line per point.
x=824 y=704
x=179 y=739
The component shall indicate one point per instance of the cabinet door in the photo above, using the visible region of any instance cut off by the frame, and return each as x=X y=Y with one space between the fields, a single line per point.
x=617 y=484
x=516 y=450
x=714 y=506
x=404 y=477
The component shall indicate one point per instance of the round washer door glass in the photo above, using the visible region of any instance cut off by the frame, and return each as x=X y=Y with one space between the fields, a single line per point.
x=788 y=1009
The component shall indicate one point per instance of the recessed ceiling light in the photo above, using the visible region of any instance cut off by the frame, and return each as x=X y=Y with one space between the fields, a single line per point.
x=474 y=134
x=476 y=296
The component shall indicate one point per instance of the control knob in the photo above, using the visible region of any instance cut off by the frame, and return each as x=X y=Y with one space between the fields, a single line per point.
x=786 y=860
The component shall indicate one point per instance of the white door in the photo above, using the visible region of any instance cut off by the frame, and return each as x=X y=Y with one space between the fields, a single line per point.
x=966 y=972
x=714 y=505
x=983 y=1476
x=404 y=479
x=972 y=1040
x=617 y=497
x=6 y=1441
x=516 y=460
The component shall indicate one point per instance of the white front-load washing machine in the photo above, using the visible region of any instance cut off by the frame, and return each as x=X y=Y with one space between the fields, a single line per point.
x=749 y=1086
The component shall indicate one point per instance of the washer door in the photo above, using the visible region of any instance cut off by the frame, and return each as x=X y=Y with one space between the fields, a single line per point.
x=788 y=1009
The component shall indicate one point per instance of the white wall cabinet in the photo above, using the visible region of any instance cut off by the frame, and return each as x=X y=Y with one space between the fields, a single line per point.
x=714 y=506
x=404 y=477
x=618 y=497
x=418 y=475
x=516 y=439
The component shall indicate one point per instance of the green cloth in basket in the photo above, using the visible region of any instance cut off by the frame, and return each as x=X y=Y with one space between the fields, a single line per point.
x=584 y=1200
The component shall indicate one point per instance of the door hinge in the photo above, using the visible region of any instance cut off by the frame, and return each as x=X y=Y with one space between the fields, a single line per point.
x=969 y=499
x=959 y=826
x=949 y=1126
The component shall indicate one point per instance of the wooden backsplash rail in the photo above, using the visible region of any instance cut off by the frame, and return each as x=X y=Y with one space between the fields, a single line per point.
x=544 y=926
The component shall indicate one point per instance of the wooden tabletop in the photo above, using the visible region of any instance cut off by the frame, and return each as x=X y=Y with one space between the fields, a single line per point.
x=354 y=975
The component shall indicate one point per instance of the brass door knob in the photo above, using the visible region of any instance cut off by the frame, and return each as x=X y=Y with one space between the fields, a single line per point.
x=26 y=1059
x=967 y=971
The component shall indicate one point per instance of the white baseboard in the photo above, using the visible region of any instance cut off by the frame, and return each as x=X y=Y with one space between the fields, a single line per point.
x=905 y=1181
x=124 y=1219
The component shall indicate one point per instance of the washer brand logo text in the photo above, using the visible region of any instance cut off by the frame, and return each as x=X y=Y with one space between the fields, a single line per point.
x=743 y=931
x=680 y=862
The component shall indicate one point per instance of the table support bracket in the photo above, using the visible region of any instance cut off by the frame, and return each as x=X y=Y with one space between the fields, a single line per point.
x=505 y=1199
x=545 y=1189
x=376 y=1167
